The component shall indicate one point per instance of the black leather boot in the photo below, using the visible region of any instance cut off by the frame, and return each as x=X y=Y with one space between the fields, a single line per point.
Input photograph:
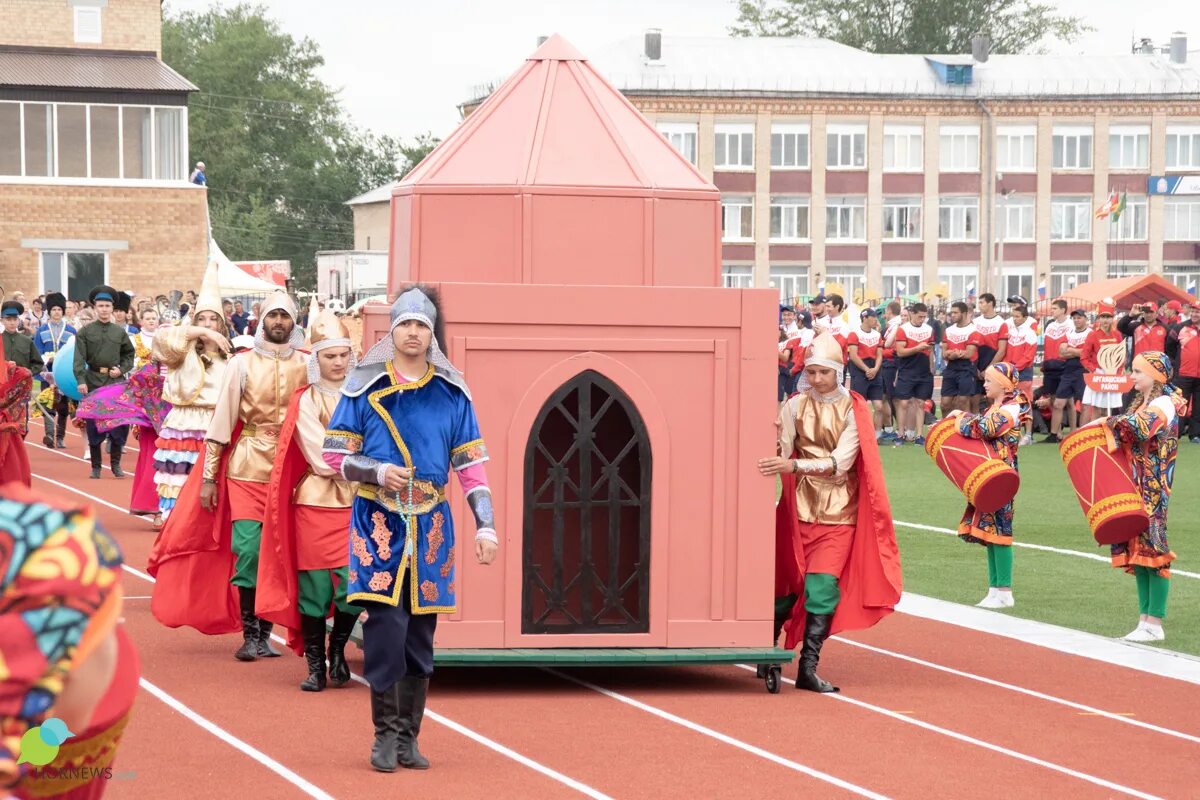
x=412 y=711
x=249 y=649
x=816 y=631
x=313 y=629
x=385 y=713
x=114 y=459
x=343 y=626
x=97 y=460
x=264 y=648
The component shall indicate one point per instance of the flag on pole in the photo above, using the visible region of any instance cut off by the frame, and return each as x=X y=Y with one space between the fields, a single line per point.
x=1108 y=206
x=1192 y=289
x=1120 y=208
x=1042 y=290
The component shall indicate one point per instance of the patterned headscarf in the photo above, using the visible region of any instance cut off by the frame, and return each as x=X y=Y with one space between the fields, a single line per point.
x=1005 y=374
x=1156 y=364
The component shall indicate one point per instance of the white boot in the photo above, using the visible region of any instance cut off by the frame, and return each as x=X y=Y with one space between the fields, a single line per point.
x=992 y=600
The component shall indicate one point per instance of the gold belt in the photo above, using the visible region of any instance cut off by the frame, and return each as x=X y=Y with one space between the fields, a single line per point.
x=426 y=496
x=270 y=431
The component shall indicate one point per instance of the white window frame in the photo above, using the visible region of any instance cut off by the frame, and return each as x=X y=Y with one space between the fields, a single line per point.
x=737 y=276
x=803 y=158
x=1061 y=147
x=1125 y=137
x=736 y=130
x=1016 y=275
x=1021 y=210
x=958 y=140
x=678 y=135
x=964 y=278
x=63 y=274
x=790 y=206
x=81 y=20
x=792 y=281
x=910 y=275
x=1018 y=140
x=852 y=279
x=745 y=206
x=904 y=148
x=1133 y=224
x=1072 y=216
x=902 y=211
x=1183 y=147
x=1125 y=270
x=1181 y=219
x=855 y=217
x=1065 y=277
x=1185 y=276
x=847 y=136
x=955 y=227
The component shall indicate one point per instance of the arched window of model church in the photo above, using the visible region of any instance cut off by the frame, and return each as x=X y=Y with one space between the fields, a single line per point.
x=586 y=559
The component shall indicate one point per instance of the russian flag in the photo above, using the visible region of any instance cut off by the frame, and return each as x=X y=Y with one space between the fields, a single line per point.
x=1192 y=289
x=1042 y=292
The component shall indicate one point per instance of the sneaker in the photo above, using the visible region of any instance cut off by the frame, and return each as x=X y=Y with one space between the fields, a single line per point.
x=1006 y=599
x=1145 y=632
x=899 y=440
x=1195 y=440
x=991 y=601
x=1051 y=439
x=920 y=441
x=890 y=436
x=1026 y=440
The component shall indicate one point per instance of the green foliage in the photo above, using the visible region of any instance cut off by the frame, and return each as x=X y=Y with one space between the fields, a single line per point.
x=933 y=27
x=282 y=156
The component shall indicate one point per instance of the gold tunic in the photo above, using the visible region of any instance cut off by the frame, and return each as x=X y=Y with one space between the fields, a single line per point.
x=192 y=381
x=321 y=486
x=257 y=388
x=821 y=432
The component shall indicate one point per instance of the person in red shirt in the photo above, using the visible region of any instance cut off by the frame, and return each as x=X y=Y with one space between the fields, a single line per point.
x=1143 y=326
x=1052 y=360
x=913 y=341
x=1071 y=383
x=1184 y=344
x=1104 y=335
x=1022 y=348
x=864 y=346
x=893 y=317
x=993 y=345
x=960 y=347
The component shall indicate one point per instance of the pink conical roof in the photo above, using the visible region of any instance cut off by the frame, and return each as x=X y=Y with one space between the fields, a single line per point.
x=557 y=122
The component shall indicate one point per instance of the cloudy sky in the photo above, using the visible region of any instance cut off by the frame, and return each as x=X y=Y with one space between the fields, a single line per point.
x=403 y=66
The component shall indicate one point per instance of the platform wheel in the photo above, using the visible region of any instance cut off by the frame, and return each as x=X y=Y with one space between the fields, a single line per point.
x=774 y=678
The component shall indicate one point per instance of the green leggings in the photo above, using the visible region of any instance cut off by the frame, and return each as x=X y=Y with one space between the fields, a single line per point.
x=1000 y=561
x=1152 y=591
x=317 y=592
x=247 y=536
x=821 y=593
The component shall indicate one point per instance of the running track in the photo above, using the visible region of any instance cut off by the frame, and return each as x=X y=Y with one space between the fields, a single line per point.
x=927 y=710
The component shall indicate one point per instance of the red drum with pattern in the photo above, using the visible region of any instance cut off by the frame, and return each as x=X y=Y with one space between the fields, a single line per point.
x=1103 y=480
x=972 y=465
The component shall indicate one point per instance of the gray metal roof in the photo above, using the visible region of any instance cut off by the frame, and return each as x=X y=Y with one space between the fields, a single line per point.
x=81 y=69
x=774 y=66
x=379 y=194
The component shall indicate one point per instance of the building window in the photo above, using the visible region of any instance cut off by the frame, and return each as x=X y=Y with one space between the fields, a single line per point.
x=1016 y=280
x=1065 y=278
x=789 y=146
x=10 y=138
x=1016 y=149
x=1125 y=270
x=789 y=219
x=791 y=281
x=1016 y=219
x=1070 y=219
x=901 y=281
x=39 y=139
x=87 y=25
x=958 y=219
x=1181 y=219
x=960 y=281
x=959 y=148
x=737 y=219
x=106 y=141
x=734 y=147
x=1132 y=224
x=1071 y=148
x=853 y=281
x=1183 y=147
x=1129 y=147
x=903 y=148
x=1186 y=277
x=737 y=276
x=902 y=218
x=73 y=274
x=845 y=219
x=846 y=146
x=681 y=136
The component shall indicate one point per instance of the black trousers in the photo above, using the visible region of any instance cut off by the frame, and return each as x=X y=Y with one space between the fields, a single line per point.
x=396 y=642
x=1191 y=392
x=117 y=435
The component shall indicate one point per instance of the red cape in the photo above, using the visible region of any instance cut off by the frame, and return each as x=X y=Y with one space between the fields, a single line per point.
x=278 y=598
x=16 y=384
x=871 y=581
x=192 y=559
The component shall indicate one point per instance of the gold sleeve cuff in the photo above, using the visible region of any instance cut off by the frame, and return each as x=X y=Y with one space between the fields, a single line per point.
x=212 y=459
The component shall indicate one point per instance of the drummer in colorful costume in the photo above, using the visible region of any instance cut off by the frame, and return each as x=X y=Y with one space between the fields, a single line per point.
x=843 y=557
x=405 y=420
x=1149 y=433
x=302 y=566
x=1002 y=425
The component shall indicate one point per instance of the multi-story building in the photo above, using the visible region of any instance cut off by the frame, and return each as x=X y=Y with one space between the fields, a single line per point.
x=889 y=175
x=93 y=152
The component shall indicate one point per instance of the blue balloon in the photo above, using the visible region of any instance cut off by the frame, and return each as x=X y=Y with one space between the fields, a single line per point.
x=64 y=371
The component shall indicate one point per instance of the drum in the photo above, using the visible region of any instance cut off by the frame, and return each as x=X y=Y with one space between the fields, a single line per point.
x=1103 y=482
x=972 y=465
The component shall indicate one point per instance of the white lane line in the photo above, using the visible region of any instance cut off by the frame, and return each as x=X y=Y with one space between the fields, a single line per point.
x=721 y=737
x=1022 y=690
x=254 y=753
x=1042 y=547
x=449 y=723
x=1050 y=765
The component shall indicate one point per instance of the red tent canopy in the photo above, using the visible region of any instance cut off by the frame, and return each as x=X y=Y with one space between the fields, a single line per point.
x=1125 y=292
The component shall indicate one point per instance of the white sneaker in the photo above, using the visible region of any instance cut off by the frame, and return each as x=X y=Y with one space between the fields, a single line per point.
x=1026 y=440
x=1006 y=599
x=991 y=601
x=1146 y=632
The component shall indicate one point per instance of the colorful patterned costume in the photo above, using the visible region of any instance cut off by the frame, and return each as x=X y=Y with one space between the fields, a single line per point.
x=1002 y=425
x=16 y=385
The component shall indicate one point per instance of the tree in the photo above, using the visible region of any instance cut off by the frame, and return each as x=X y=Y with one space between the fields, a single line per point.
x=282 y=156
x=415 y=153
x=932 y=27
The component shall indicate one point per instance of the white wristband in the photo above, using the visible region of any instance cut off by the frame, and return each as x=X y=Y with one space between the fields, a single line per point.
x=487 y=534
x=381 y=473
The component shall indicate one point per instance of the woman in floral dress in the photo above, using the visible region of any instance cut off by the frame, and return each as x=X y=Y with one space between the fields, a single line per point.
x=1149 y=434
x=1002 y=425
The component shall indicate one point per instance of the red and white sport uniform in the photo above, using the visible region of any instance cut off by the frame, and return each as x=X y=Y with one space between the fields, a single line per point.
x=992 y=331
x=1022 y=344
x=1056 y=335
x=956 y=338
x=868 y=344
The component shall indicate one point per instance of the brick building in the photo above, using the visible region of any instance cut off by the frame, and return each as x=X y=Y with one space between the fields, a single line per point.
x=93 y=152
x=889 y=173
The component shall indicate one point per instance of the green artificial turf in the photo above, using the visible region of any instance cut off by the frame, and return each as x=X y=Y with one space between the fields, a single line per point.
x=1049 y=587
